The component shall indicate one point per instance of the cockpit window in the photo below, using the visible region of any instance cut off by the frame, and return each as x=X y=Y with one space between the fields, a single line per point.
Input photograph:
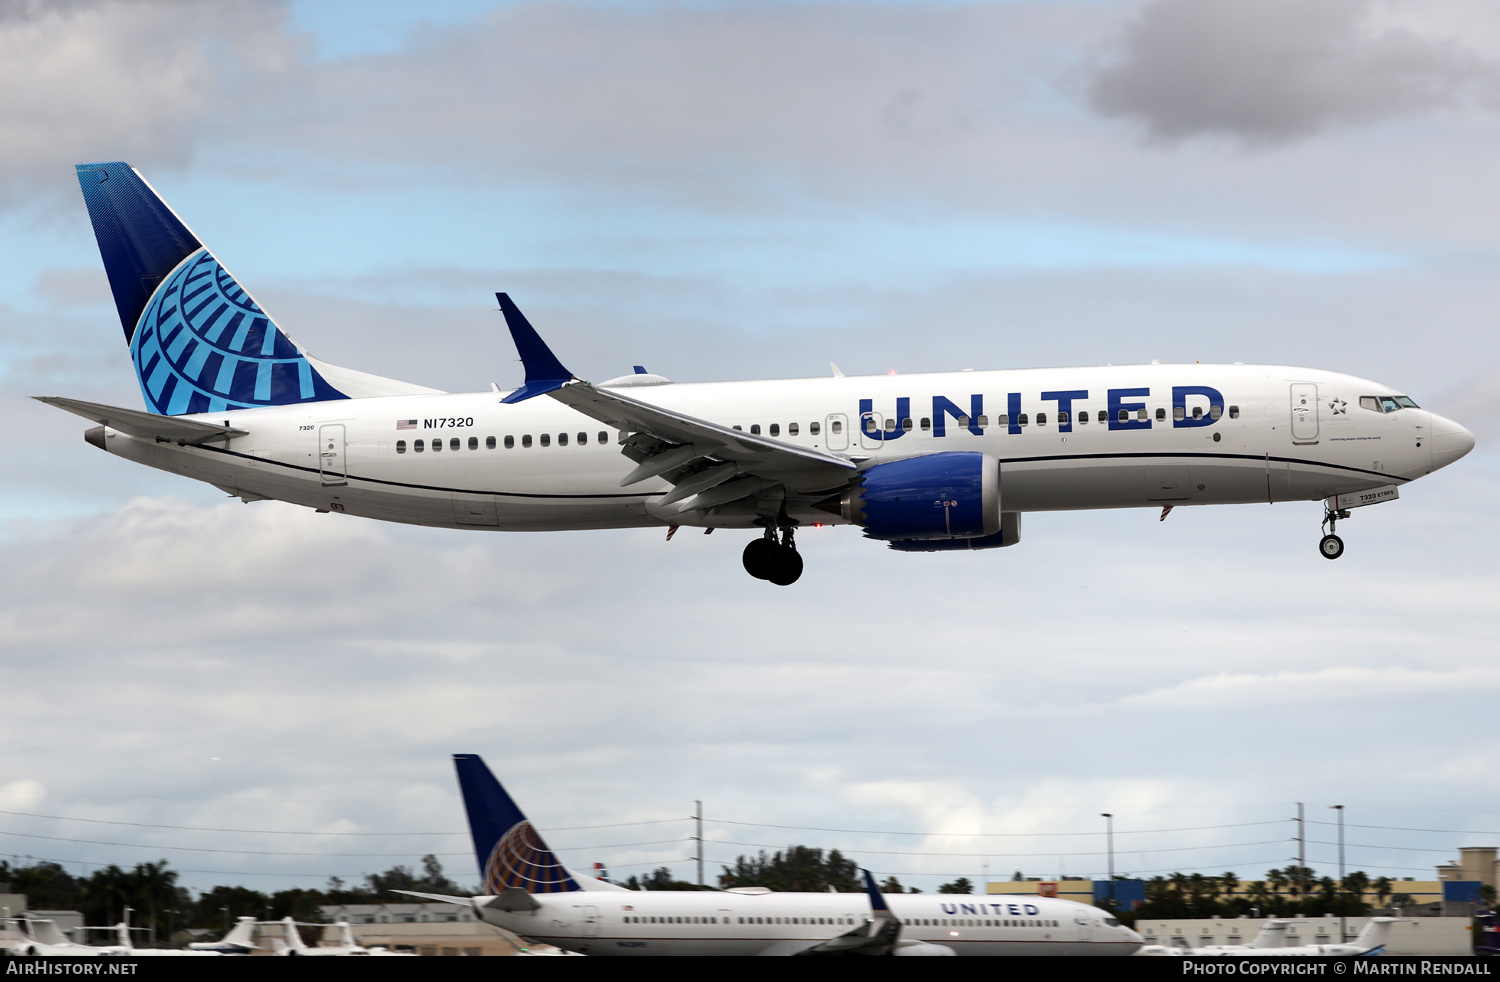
x=1386 y=404
x=1112 y=922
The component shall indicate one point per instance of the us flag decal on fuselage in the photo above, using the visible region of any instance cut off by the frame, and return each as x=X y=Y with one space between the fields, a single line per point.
x=406 y=424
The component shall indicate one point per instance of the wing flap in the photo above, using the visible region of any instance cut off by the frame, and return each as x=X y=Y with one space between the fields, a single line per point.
x=801 y=468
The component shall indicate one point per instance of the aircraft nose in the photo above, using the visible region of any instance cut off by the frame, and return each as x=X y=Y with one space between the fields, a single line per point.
x=1449 y=441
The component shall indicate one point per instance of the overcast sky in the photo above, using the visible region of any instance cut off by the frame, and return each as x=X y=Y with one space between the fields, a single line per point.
x=727 y=191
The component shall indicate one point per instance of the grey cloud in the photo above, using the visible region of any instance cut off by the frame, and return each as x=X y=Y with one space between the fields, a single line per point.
x=89 y=81
x=1271 y=71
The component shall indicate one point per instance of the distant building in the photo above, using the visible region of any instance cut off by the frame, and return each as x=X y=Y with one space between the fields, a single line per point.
x=1474 y=863
x=426 y=929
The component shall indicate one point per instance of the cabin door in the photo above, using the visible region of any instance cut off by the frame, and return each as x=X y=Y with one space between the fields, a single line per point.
x=1304 y=412
x=836 y=432
x=331 y=466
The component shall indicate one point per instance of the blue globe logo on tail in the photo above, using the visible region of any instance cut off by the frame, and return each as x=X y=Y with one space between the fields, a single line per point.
x=203 y=345
x=522 y=860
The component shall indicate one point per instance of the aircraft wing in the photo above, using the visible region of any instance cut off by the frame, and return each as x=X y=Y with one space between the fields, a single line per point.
x=147 y=426
x=710 y=464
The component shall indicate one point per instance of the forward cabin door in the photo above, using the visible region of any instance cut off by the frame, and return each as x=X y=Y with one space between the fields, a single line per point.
x=331 y=465
x=836 y=432
x=1304 y=412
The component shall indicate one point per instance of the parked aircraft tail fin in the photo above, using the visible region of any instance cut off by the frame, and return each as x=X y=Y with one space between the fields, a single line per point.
x=199 y=341
x=511 y=854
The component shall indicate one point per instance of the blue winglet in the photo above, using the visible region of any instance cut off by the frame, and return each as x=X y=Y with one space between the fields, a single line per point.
x=544 y=372
x=877 y=899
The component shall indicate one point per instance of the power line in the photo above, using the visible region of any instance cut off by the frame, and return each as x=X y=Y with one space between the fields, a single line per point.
x=201 y=828
x=981 y=835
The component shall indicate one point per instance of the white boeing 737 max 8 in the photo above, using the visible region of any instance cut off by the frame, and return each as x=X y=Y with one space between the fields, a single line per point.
x=528 y=892
x=923 y=462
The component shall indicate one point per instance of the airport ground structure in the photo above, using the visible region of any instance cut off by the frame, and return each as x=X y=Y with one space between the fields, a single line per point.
x=1419 y=936
x=425 y=929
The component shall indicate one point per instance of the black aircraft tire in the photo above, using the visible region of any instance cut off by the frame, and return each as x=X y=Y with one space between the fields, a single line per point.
x=788 y=568
x=1332 y=547
x=760 y=558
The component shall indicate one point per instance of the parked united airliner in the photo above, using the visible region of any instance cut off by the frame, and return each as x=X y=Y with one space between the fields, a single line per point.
x=528 y=892
x=922 y=462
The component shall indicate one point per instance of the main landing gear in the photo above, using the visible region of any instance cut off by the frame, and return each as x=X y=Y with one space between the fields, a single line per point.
x=767 y=559
x=1331 y=546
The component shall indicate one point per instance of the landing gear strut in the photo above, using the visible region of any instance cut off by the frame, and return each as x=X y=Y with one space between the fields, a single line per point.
x=777 y=561
x=1331 y=546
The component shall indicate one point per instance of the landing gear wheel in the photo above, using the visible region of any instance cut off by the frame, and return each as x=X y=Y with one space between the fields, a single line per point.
x=760 y=558
x=788 y=567
x=1332 y=547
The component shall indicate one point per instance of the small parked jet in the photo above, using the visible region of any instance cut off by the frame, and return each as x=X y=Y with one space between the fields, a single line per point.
x=529 y=893
x=239 y=940
x=291 y=943
x=921 y=462
x=1271 y=942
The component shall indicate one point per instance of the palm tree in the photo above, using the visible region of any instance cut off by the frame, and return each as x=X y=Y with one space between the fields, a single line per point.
x=1382 y=889
x=155 y=887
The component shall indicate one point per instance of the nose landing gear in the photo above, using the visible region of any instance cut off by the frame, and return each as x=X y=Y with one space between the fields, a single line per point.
x=777 y=561
x=1331 y=546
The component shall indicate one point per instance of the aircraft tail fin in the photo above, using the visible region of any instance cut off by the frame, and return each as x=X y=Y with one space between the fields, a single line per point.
x=1376 y=934
x=293 y=937
x=243 y=932
x=511 y=854
x=199 y=341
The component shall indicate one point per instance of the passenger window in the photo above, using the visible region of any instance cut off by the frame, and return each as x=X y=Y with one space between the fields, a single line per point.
x=1234 y=412
x=453 y=444
x=1140 y=414
x=1002 y=420
x=526 y=442
x=437 y=445
x=983 y=421
x=1197 y=412
x=890 y=425
x=755 y=429
x=1062 y=419
x=791 y=429
x=906 y=425
x=963 y=421
x=1041 y=419
x=739 y=427
x=1124 y=415
x=562 y=439
x=473 y=443
x=838 y=426
x=1083 y=416
x=603 y=438
x=1022 y=419
x=510 y=442
x=1214 y=412
x=546 y=439
x=813 y=428
x=926 y=423
x=1161 y=415
x=489 y=443
x=401 y=446
x=775 y=429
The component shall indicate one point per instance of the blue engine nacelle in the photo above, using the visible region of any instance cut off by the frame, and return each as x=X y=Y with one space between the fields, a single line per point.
x=940 y=496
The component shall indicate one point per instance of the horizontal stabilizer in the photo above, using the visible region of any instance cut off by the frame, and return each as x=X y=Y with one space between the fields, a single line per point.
x=146 y=426
x=439 y=898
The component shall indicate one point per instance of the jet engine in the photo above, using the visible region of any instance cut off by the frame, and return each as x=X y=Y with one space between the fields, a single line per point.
x=932 y=498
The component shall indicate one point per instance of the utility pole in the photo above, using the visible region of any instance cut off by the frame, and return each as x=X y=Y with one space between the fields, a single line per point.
x=1343 y=919
x=699 y=837
x=1301 y=852
x=1109 y=838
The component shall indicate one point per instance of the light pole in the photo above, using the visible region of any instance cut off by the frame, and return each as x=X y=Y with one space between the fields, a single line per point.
x=1343 y=920
x=1109 y=838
